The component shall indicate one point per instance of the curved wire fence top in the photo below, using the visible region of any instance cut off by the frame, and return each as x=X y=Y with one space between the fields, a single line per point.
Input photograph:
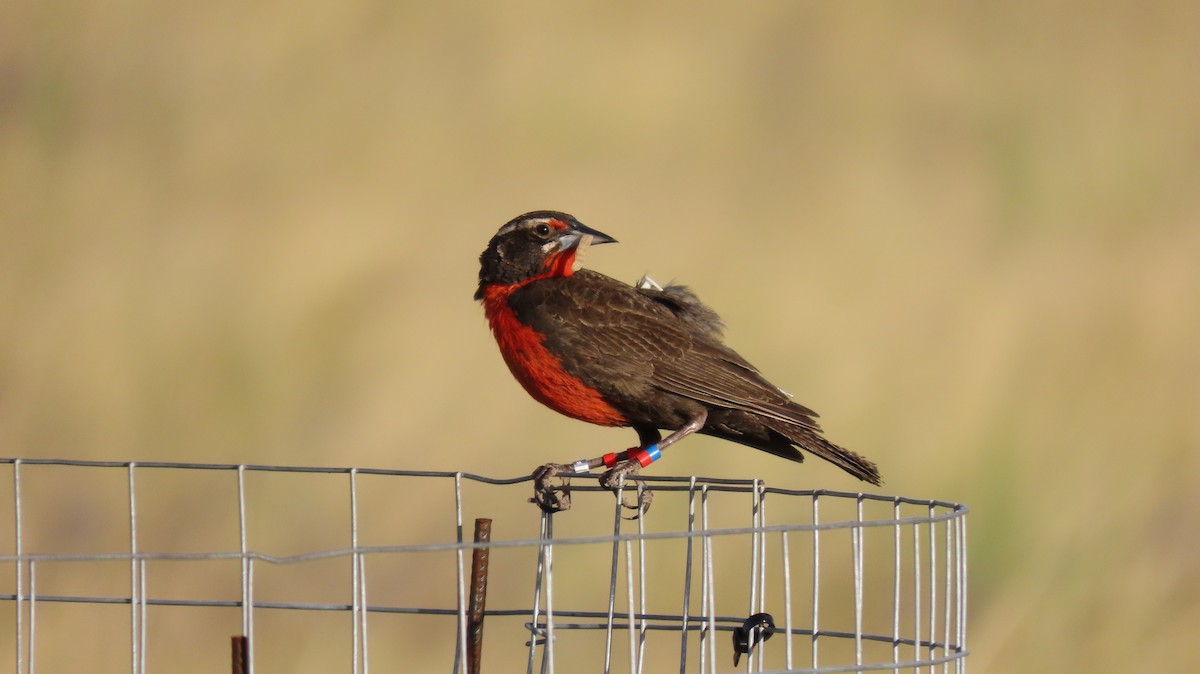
x=153 y=566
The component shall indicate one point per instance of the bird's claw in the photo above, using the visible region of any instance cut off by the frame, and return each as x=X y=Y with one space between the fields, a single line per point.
x=614 y=480
x=551 y=491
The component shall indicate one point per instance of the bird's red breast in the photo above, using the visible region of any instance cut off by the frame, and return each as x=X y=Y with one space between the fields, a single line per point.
x=540 y=371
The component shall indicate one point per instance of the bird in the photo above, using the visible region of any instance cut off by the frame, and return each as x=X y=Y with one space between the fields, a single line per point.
x=643 y=356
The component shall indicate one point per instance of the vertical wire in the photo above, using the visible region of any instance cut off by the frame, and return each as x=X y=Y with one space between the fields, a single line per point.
x=816 y=584
x=362 y=589
x=362 y=602
x=916 y=592
x=933 y=607
x=631 y=630
x=761 y=574
x=241 y=486
x=356 y=583
x=142 y=611
x=963 y=580
x=957 y=644
x=537 y=595
x=32 y=617
x=612 y=578
x=354 y=595
x=461 y=648
x=637 y=635
x=250 y=611
x=548 y=553
x=687 y=577
x=762 y=561
x=134 y=646
x=712 y=585
x=946 y=619
x=787 y=597
x=643 y=623
x=19 y=570
x=896 y=561
x=756 y=533
x=247 y=596
x=706 y=634
x=856 y=541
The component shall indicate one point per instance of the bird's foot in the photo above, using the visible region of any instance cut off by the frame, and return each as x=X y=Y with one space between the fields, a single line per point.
x=551 y=491
x=614 y=480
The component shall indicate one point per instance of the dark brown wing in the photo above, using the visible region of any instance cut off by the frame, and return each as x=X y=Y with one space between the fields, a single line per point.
x=616 y=338
x=658 y=360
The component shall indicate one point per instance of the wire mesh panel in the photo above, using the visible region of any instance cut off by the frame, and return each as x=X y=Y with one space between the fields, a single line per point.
x=156 y=566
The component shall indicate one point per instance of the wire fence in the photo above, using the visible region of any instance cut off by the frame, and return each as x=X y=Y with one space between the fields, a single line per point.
x=155 y=566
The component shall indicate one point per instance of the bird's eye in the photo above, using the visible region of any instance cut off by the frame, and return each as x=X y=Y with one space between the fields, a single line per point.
x=542 y=229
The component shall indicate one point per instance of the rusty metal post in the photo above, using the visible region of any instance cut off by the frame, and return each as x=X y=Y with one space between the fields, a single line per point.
x=478 y=596
x=241 y=655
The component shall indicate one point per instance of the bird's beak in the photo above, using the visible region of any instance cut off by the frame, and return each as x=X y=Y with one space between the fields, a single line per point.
x=575 y=242
x=578 y=233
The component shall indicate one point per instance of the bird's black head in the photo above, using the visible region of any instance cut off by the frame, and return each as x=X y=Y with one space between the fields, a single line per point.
x=539 y=244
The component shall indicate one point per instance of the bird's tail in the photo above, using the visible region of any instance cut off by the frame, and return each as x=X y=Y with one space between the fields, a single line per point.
x=811 y=441
x=786 y=437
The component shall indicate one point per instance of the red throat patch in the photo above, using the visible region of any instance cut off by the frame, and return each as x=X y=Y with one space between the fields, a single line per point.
x=540 y=372
x=561 y=264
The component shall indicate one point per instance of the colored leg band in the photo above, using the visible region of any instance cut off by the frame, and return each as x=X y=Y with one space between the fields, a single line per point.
x=646 y=456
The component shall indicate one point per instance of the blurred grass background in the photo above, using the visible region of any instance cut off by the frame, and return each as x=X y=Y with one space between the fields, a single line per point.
x=967 y=234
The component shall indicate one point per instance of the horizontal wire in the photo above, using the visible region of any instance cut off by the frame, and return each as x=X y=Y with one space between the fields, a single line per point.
x=465 y=545
x=889 y=666
x=655 y=621
x=659 y=482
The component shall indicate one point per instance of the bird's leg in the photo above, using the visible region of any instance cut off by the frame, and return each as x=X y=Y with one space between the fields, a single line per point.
x=551 y=489
x=649 y=452
x=620 y=466
x=552 y=482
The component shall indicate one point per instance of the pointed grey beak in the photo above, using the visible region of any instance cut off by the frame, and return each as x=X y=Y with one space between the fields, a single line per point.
x=572 y=238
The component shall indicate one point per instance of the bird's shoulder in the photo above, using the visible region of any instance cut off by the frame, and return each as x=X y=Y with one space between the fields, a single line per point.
x=587 y=296
x=597 y=302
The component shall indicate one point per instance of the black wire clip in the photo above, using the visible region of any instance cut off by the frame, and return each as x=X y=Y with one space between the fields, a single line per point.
x=756 y=629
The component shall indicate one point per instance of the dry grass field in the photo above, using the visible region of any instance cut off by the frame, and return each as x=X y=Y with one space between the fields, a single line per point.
x=968 y=235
